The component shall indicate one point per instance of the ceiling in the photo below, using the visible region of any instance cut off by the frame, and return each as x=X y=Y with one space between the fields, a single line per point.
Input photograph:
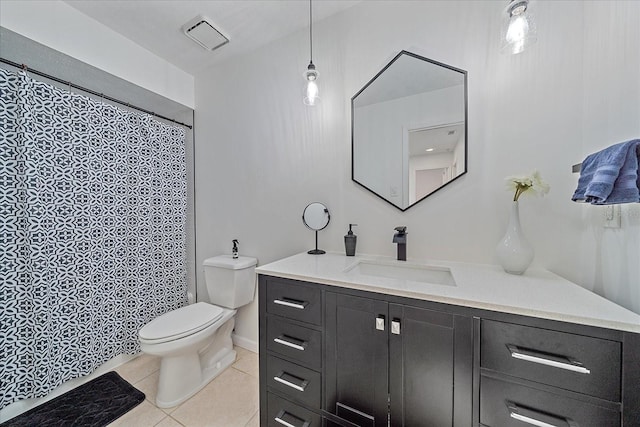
x=441 y=139
x=249 y=24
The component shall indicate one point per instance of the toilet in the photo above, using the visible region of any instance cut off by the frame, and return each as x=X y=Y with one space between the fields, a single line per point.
x=194 y=342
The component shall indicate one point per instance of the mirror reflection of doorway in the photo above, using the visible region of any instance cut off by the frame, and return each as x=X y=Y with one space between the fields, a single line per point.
x=434 y=153
x=428 y=180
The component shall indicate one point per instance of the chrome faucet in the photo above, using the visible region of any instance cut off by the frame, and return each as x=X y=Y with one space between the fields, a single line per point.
x=401 y=239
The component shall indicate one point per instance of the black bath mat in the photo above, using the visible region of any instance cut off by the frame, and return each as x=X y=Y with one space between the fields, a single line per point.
x=94 y=404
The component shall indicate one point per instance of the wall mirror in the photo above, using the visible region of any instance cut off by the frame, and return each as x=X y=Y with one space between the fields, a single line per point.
x=316 y=217
x=409 y=130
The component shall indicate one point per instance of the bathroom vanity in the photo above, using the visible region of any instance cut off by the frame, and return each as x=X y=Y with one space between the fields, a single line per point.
x=370 y=341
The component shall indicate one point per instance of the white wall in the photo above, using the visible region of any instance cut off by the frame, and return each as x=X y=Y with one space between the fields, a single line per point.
x=262 y=156
x=57 y=25
x=611 y=113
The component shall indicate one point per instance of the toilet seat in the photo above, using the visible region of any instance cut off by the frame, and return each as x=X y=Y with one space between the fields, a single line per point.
x=180 y=323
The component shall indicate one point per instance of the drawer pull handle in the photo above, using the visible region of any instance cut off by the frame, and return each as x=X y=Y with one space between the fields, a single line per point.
x=518 y=413
x=355 y=416
x=281 y=340
x=300 y=305
x=530 y=420
x=300 y=387
x=283 y=422
x=280 y=419
x=544 y=359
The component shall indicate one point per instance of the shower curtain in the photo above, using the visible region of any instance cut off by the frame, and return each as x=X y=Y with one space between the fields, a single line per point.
x=92 y=239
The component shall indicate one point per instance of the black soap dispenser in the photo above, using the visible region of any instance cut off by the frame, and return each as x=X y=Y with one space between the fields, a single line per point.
x=234 y=251
x=350 y=241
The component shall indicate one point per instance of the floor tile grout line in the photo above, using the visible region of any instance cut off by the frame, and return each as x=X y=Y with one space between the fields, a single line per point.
x=151 y=360
x=176 y=421
x=245 y=372
x=252 y=417
x=139 y=381
x=173 y=419
x=161 y=420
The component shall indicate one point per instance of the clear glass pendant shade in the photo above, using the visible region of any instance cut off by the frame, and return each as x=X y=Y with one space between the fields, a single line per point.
x=311 y=87
x=518 y=28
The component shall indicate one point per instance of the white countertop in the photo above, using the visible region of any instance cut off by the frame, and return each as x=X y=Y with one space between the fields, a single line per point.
x=537 y=293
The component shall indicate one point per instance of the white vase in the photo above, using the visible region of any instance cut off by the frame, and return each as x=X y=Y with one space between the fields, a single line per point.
x=514 y=252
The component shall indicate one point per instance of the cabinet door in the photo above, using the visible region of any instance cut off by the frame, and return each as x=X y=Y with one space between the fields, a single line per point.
x=356 y=380
x=430 y=368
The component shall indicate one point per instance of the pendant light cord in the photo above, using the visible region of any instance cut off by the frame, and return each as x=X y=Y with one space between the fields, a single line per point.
x=310 y=34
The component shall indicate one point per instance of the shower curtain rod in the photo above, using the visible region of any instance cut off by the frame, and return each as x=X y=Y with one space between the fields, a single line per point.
x=92 y=92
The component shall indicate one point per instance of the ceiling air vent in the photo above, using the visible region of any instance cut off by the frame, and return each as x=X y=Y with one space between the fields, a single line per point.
x=202 y=31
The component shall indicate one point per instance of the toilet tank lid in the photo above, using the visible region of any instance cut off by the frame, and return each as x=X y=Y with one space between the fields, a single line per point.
x=227 y=261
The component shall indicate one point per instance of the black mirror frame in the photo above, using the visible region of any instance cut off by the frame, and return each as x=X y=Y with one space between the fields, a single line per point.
x=466 y=126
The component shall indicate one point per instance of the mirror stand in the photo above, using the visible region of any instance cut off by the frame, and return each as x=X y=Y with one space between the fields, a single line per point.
x=316 y=251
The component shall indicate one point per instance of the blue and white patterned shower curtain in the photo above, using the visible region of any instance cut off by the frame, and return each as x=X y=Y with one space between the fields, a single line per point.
x=92 y=239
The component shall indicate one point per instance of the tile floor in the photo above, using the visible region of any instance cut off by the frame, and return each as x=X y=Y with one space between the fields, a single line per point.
x=230 y=400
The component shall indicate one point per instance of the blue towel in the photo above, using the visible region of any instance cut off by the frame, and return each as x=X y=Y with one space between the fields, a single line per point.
x=610 y=176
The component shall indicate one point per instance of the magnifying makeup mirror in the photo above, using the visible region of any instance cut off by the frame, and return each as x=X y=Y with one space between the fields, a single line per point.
x=316 y=217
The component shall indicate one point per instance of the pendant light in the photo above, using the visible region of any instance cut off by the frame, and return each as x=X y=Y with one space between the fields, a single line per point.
x=518 y=28
x=311 y=75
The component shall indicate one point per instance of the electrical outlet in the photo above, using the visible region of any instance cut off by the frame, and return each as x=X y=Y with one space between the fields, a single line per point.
x=612 y=216
x=393 y=191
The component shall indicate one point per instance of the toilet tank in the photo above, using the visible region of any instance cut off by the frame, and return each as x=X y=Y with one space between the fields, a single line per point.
x=230 y=282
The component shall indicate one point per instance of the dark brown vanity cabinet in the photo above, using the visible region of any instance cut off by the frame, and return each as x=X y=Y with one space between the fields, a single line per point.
x=357 y=371
x=398 y=364
x=291 y=348
x=573 y=376
x=332 y=356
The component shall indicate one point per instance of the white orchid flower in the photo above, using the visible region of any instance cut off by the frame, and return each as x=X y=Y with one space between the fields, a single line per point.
x=521 y=184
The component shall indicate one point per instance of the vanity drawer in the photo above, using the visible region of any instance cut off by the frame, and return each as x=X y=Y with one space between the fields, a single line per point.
x=572 y=362
x=300 y=383
x=505 y=404
x=296 y=342
x=282 y=412
x=294 y=300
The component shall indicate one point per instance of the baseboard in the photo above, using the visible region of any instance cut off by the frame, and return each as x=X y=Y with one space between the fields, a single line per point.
x=245 y=343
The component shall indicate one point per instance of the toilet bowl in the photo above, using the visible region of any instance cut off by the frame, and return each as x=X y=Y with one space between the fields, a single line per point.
x=194 y=342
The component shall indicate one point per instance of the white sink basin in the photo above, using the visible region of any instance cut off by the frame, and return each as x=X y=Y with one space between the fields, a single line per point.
x=403 y=271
